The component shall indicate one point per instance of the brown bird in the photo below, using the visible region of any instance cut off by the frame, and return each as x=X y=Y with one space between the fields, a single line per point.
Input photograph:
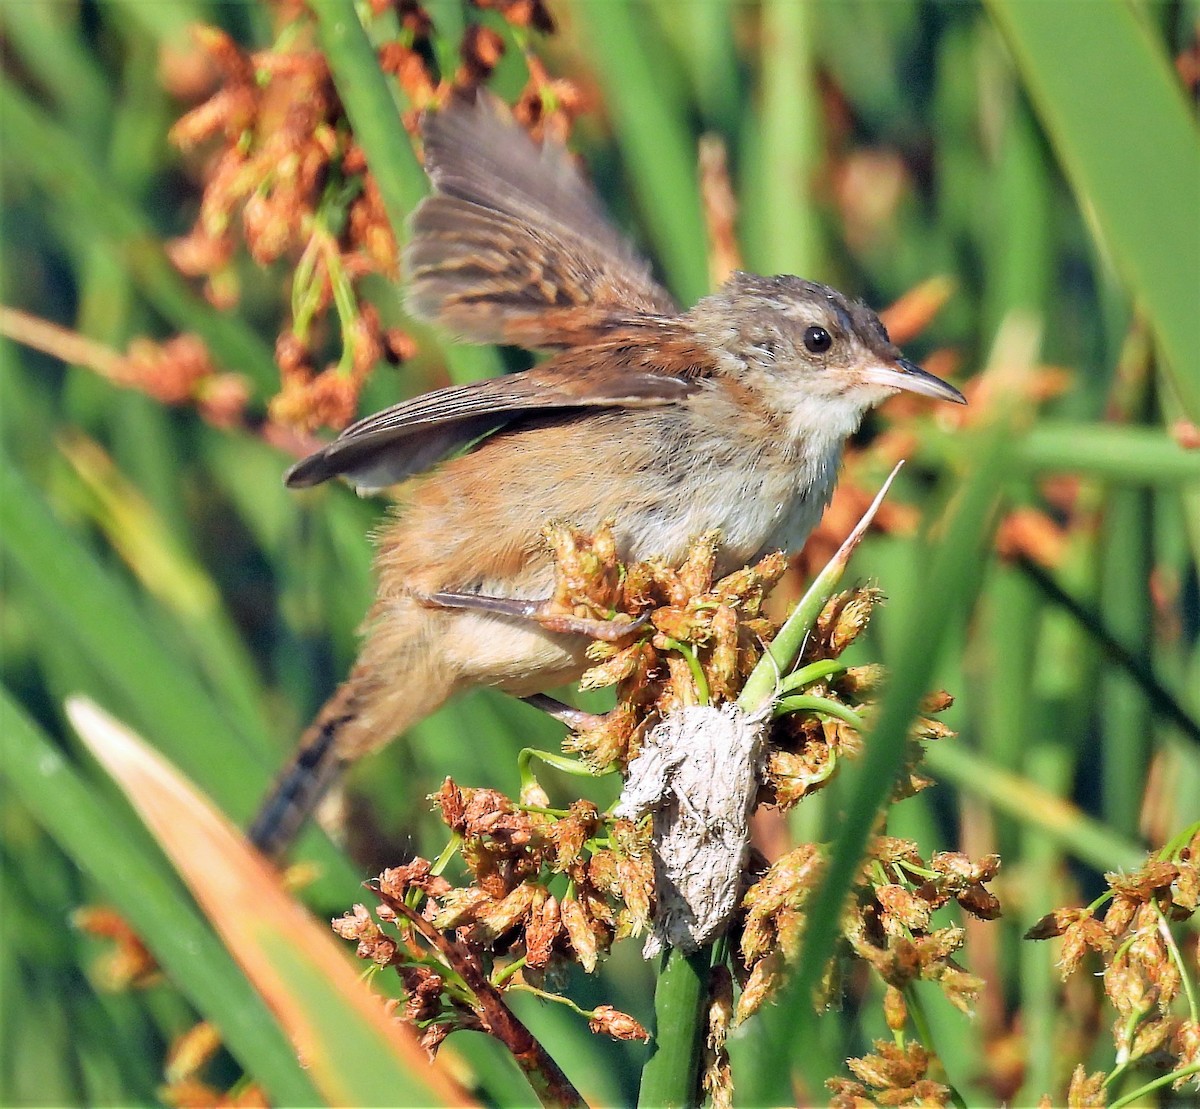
x=729 y=417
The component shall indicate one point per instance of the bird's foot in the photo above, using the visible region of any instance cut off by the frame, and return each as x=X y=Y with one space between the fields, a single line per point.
x=541 y=613
x=575 y=719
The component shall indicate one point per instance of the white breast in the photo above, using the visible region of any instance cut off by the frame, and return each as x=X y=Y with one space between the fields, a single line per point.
x=807 y=507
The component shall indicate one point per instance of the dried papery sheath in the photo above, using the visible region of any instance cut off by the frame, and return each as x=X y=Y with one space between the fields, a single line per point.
x=698 y=773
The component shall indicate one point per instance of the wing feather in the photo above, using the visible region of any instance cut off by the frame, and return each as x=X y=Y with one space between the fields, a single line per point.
x=409 y=437
x=513 y=246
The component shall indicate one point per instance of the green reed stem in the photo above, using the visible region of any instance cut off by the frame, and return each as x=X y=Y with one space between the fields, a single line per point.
x=671 y=1075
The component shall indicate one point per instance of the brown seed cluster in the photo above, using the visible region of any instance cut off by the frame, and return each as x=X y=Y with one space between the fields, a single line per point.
x=700 y=640
x=808 y=747
x=544 y=887
x=506 y=927
x=888 y=923
x=1139 y=931
x=284 y=175
x=893 y=1074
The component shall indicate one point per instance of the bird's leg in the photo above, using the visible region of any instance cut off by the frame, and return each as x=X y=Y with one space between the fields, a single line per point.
x=540 y=613
x=575 y=719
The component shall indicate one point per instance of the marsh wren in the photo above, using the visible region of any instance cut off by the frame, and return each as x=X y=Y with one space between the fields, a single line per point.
x=729 y=417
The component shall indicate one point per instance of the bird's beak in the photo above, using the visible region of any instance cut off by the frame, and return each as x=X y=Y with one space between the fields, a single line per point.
x=903 y=374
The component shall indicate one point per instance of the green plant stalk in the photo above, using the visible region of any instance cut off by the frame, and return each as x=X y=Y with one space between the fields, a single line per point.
x=1157 y=1084
x=952 y=568
x=650 y=124
x=85 y=602
x=813 y=672
x=766 y=677
x=1127 y=724
x=783 y=235
x=1034 y=806
x=1122 y=454
x=169 y=572
x=375 y=117
x=82 y=601
x=152 y=903
x=1143 y=202
x=567 y=765
x=671 y=1076
x=449 y=21
x=807 y=702
x=1161 y=699
x=371 y=107
x=52 y=50
x=1042 y=864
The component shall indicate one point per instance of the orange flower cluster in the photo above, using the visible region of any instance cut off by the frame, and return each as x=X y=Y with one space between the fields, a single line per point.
x=1147 y=969
x=288 y=180
x=180 y=371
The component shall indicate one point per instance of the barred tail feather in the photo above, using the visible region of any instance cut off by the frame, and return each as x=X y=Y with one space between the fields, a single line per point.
x=400 y=679
x=314 y=767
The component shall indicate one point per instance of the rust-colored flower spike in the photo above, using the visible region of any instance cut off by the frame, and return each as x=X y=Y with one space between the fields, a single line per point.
x=287 y=180
x=548 y=107
x=372 y=943
x=181 y=371
x=506 y=929
x=481 y=51
x=889 y=924
x=621 y=1026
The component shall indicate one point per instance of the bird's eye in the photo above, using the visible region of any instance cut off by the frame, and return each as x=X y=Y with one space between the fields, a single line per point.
x=817 y=340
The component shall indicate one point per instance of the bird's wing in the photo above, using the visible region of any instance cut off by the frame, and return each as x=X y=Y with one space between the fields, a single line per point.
x=513 y=246
x=631 y=370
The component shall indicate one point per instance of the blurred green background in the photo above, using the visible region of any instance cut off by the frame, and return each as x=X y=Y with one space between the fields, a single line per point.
x=1042 y=156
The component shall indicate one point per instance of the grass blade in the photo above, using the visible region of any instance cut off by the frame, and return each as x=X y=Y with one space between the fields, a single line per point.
x=56 y=162
x=1113 y=82
x=153 y=904
x=354 y=1052
x=655 y=140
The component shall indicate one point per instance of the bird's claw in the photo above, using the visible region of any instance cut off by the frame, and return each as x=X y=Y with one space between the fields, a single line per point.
x=541 y=613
